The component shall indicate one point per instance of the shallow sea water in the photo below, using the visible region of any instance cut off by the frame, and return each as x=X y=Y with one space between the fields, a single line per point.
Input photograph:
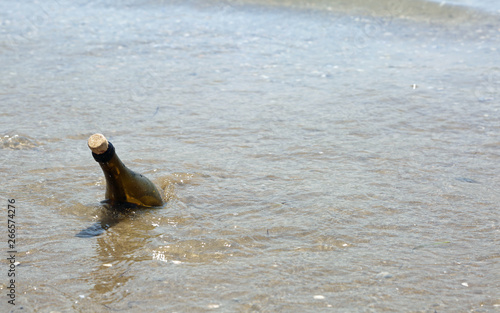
x=317 y=156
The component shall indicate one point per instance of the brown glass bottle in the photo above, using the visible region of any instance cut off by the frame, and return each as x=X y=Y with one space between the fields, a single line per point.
x=122 y=184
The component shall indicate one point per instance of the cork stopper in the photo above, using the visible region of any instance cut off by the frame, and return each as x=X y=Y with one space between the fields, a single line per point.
x=98 y=143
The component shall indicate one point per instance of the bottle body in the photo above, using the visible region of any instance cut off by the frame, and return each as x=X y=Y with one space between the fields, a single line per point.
x=124 y=185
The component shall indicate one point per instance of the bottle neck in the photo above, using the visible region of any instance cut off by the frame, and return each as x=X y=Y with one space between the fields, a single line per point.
x=111 y=164
x=106 y=156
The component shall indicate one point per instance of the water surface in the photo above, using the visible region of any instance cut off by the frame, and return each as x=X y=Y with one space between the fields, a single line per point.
x=317 y=155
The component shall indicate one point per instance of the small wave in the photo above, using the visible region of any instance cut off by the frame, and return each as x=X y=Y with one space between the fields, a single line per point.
x=427 y=10
x=18 y=142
